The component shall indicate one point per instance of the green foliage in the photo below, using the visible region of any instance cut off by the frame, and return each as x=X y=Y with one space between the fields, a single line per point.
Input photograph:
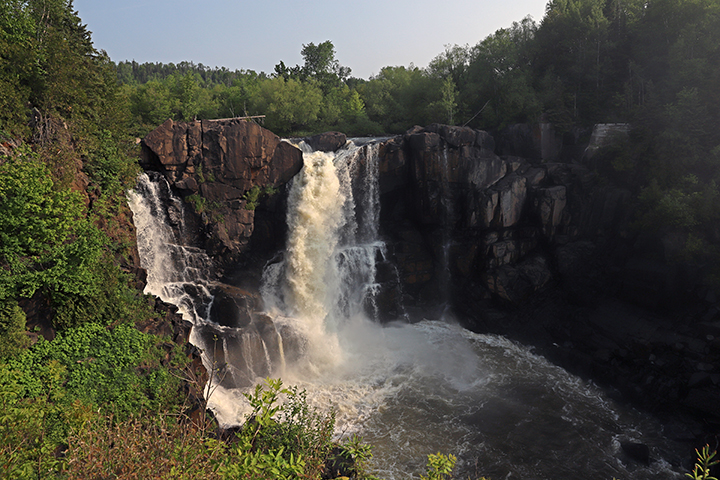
x=32 y=429
x=50 y=391
x=198 y=202
x=289 y=104
x=361 y=454
x=252 y=196
x=45 y=240
x=439 y=466
x=702 y=466
x=500 y=78
x=99 y=367
x=12 y=329
x=281 y=439
x=398 y=97
x=111 y=168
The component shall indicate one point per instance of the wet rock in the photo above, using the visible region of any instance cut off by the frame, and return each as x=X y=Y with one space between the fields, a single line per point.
x=638 y=452
x=221 y=160
x=232 y=306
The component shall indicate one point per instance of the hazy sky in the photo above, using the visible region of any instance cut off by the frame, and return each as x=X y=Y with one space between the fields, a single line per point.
x=256 y=35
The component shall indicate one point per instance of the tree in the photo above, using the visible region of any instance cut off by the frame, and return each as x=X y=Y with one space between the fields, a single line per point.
x=320 y=63
x=398 y=97
x=500 y=73
x=452 y=63
x=289 y=104
x=46 y=241
x=573 y=39
x=320 y=66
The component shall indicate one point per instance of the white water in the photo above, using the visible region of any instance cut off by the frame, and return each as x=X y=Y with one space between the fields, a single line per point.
x=410 y=390
x=176 y=273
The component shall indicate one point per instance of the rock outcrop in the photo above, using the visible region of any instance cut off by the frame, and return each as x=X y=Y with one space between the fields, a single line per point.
x=451 y=204
x=517 y=237
x=230 y=171
x=327 y=141
x=543 y=252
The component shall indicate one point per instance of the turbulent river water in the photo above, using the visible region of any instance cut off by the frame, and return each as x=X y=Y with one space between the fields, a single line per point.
x=409 y=389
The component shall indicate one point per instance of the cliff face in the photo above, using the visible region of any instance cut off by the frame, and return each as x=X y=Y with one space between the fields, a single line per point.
x=545 y=253
x=215 y=165
x=502 y=223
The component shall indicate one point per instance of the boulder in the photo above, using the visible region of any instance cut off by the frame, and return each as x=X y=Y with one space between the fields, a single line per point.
x=327 y=142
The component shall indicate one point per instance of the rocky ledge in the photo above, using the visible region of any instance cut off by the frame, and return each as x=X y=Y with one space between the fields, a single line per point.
x=225 y=170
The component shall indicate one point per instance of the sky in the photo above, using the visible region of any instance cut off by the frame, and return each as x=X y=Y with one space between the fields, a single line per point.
x=257 y=35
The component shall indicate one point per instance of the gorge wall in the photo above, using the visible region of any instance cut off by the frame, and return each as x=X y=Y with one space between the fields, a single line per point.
x=540 y=251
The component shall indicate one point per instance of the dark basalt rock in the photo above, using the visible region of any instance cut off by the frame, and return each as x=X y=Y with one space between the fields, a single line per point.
x=220 y=161
x=327 y=142
x=638 y=452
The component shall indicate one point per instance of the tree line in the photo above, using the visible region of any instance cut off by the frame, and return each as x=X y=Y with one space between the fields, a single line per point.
x=654 y=64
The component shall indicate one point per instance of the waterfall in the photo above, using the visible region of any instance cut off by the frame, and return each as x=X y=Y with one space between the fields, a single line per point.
x=408 y=389
x=327 y=277
x=177 y=274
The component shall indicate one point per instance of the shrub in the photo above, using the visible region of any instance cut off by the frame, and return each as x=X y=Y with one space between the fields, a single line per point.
x=12 y=330
x=101 y=367
x=281 y=439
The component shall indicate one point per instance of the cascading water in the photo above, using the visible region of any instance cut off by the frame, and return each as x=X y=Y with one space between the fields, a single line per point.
x=176 y=273
x=408 y=389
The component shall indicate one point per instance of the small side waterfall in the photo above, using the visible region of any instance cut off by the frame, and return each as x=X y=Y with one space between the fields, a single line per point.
x=177 y=274
x=183 y=276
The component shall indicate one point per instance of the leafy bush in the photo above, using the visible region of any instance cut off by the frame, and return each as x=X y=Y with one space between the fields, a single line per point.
x=32 y=430
x=281 y=440
x=439 y=466
x=45 y=239
x=109 y=166
x=100 y=366
x=198 y=202
x=12 y=329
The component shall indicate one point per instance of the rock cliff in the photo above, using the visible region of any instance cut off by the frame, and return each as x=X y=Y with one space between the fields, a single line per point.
x=545 y=253
x=230 y=171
